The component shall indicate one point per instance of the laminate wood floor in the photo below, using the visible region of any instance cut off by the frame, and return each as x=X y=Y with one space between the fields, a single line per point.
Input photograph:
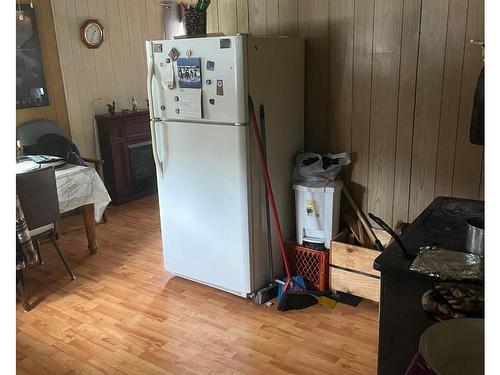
x=125 y=315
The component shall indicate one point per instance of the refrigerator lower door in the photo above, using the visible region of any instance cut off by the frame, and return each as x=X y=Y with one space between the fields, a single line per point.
x=204 y=203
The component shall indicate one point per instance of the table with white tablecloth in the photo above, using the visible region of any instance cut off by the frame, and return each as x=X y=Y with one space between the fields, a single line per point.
x=78 y=187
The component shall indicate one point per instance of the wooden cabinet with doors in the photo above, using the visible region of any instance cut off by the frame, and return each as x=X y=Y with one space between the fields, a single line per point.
x=125 y=144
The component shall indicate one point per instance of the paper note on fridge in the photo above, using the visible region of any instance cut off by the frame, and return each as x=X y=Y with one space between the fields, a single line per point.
x=190 y=103
x=167 y=75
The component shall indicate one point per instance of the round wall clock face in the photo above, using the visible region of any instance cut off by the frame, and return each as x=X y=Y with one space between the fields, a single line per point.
x=92 y=33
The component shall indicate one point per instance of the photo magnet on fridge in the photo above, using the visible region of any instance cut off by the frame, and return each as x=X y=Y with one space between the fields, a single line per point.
x=189 y=73
x=210 y=65
x=173 y=54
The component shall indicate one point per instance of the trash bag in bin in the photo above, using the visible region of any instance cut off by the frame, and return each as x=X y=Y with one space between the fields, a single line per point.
x=314 y=167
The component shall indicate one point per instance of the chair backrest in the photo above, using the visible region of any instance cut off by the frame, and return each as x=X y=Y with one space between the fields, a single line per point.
x=58 y=145
x=29 y=132
x=37 y=192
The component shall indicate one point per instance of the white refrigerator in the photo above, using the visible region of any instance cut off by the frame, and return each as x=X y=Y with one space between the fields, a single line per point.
x=210 y=185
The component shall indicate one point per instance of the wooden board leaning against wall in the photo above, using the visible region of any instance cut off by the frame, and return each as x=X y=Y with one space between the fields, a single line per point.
x=390 y=81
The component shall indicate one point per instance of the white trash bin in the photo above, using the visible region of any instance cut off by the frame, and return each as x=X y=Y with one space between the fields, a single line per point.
x=317 y=211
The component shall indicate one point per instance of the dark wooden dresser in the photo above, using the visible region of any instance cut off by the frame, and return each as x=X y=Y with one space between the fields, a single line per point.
x=125 y=143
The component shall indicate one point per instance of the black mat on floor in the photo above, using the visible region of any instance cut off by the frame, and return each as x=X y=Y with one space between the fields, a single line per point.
x=347 y=299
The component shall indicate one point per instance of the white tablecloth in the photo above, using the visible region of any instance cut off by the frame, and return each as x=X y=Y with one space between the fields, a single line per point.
x=77 y=186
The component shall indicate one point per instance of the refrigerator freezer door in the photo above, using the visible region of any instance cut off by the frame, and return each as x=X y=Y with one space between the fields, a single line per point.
x=214 y=65
x=204 y=203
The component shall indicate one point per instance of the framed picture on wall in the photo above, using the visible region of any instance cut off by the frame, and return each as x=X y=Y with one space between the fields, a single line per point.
x=31 y=88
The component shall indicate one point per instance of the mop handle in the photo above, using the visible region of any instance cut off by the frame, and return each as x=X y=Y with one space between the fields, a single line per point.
x=253 y=122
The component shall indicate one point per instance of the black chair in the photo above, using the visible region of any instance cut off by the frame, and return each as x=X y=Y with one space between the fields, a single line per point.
x=37 y=192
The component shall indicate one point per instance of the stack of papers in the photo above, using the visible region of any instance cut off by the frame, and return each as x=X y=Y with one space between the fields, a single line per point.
x=32 y=162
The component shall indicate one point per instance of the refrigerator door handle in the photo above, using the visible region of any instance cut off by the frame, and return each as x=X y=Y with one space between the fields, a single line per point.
x=154 y=146
x=158 y=163
x=150 y=78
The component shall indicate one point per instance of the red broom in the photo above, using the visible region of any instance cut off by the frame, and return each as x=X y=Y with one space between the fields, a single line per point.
x=294 y=295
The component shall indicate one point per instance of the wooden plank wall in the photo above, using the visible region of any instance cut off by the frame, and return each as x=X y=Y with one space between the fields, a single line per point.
x=392 y=82
x=115 y=71
x=56 y=110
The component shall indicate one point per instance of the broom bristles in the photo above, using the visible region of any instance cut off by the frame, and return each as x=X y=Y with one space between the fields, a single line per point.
x=291 y=300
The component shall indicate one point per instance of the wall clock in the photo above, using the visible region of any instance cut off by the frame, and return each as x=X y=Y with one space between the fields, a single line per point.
x=92 y=33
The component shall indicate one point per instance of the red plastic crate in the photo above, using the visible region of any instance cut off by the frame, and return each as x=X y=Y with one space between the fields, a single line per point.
x=310 y=264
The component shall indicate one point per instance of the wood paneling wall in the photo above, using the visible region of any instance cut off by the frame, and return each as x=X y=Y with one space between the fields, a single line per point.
x=392 y=82
x=56 y=110
x=115 y=71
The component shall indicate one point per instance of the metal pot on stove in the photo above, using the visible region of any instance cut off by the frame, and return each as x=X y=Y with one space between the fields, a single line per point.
x=474 y=242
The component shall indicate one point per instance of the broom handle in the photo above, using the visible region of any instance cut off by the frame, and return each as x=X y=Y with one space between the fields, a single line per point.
x=253 y=123
x=268 y=216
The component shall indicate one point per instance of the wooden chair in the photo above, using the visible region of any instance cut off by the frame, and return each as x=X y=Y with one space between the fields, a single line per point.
x=29 y=133
x=37 y=192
